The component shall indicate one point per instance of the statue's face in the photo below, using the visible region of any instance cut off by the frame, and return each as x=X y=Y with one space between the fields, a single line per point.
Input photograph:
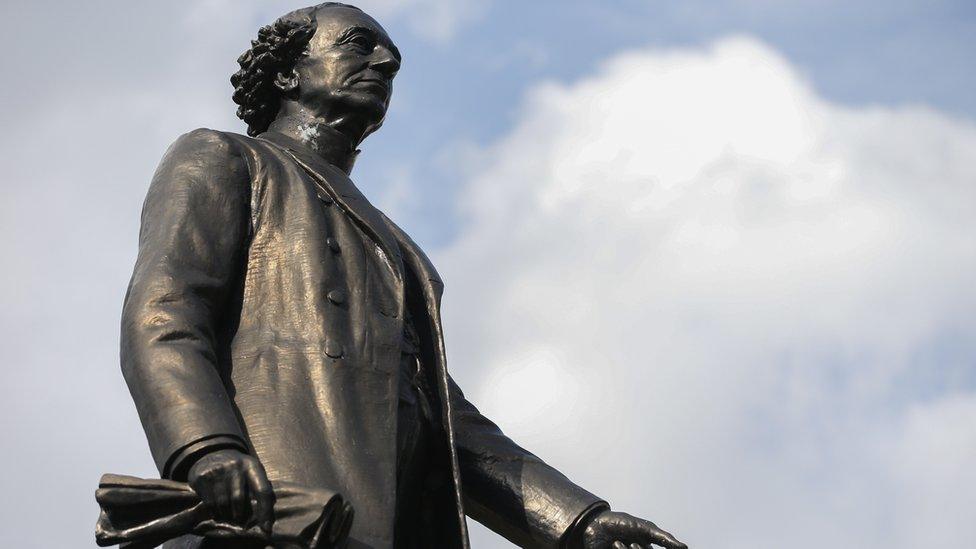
x=350 y=66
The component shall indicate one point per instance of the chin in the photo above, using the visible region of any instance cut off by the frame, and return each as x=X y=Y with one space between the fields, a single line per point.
x=373 y=118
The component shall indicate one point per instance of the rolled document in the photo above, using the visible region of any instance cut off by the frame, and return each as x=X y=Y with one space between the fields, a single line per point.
x=141 y=514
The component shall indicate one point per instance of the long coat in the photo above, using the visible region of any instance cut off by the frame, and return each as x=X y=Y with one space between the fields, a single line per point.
x=265 y=312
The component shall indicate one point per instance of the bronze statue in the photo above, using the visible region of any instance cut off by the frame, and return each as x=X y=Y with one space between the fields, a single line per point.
x=279 y=329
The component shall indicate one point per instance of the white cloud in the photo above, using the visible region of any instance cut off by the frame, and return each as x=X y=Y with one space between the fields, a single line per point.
x=759 y=303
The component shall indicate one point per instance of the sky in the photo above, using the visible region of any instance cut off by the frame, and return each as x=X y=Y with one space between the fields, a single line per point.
x=713 y=260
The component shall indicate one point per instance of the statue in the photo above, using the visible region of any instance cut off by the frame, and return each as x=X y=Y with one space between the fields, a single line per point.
x=280 y=331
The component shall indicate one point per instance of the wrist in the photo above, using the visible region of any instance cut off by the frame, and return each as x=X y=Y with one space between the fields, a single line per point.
x=193 y=456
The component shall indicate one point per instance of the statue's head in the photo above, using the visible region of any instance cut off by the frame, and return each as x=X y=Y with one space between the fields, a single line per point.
x=331 y=60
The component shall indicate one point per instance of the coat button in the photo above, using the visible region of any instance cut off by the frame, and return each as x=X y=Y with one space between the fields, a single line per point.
x=333 y=349
x=337 y=296
x=333 y=244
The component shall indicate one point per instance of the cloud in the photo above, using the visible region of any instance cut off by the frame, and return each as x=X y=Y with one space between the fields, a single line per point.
x=725 y=303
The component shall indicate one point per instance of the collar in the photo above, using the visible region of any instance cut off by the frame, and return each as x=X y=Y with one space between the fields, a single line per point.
x=339 y=150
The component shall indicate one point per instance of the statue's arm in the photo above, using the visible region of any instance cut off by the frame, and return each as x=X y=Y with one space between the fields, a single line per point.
x=512 y=491
x=192 y=241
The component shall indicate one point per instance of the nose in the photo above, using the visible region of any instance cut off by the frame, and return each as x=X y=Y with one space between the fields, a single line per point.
x=385 y=62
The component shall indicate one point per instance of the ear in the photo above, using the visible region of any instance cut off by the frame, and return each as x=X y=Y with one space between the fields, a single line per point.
x=287 y=82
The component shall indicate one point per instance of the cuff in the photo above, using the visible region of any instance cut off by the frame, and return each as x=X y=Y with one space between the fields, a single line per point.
x=180 y=462
x=573 y=537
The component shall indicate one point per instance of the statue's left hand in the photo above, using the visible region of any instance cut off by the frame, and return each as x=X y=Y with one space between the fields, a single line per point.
x=613 y=530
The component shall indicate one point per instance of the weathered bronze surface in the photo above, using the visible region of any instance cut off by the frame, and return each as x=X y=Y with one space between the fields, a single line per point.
x=278 y=328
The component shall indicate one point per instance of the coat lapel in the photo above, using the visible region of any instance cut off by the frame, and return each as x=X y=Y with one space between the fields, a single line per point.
x=415 y=257
x=334 y=184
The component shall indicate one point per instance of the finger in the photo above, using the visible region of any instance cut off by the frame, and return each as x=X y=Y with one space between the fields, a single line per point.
x=205 y=491
x=619 y=545
x=263 y=496
x=221 y=502
x=239 y=504
x=635 y=546
x=664 y=539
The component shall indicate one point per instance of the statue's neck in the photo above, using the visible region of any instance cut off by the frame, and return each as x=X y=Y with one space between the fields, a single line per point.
x=325 y=138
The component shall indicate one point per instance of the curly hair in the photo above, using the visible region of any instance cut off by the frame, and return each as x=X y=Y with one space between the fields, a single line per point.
x=277 y=49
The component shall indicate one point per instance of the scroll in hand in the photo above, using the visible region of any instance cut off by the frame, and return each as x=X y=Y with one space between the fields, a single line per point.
x=141 y=514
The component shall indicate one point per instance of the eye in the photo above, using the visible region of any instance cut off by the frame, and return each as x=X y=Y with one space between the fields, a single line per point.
x=361 y=42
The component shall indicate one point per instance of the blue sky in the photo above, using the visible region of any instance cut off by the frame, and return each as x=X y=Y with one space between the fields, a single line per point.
x=719 y=252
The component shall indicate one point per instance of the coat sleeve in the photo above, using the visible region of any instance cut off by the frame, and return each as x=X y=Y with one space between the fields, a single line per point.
x=195 y=224
x=510 y=490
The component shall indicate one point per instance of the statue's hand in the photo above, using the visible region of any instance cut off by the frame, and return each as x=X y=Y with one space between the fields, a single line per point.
x=235 y=486
x=612 y=530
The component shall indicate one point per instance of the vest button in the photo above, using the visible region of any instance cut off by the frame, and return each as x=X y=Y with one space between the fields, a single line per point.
x=337 y=296
x=333 y=244
x=333 y=349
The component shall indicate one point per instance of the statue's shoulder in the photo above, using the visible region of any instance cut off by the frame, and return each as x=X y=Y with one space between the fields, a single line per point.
x=207 y=155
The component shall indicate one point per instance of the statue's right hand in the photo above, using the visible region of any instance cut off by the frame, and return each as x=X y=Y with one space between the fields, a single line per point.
x=235 y=486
